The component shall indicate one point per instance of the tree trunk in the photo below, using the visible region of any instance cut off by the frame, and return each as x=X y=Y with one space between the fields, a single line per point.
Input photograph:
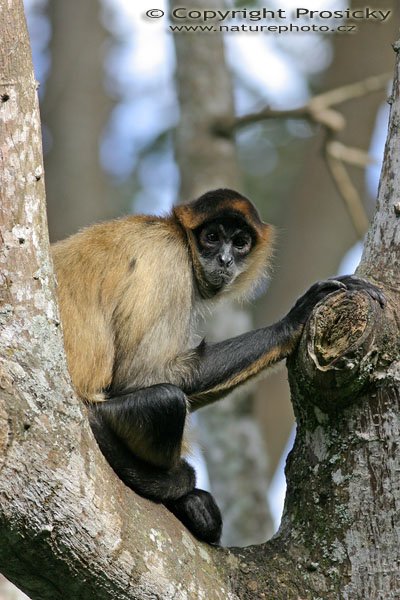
x=75 y=111
x=316 y=227
x=70 y=529
x=339 y=532
x=230 y=436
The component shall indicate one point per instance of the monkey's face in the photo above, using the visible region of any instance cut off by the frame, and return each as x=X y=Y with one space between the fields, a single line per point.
x=223 y=245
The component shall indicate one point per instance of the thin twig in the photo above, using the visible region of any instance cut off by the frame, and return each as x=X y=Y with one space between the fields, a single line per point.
x=317 y=106
x=352 y=90
x=349 y=155
x=349 y=194
x=319 y=110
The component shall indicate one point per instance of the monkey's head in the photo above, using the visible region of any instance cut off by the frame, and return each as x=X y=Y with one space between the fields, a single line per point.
x=229 y=243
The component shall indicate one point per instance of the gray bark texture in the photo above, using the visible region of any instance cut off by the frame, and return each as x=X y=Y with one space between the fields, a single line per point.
x=70 y=529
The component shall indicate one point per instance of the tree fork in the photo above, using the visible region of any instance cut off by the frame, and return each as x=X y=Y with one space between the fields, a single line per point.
x=70 y=529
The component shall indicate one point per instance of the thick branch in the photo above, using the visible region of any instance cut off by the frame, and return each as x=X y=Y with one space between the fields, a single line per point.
x=346 y=340
x=382 y=249
x=345 y=391
x=68 y=527
x=338 y=536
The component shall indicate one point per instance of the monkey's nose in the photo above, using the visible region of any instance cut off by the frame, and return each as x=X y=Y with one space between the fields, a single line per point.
x=225 y=260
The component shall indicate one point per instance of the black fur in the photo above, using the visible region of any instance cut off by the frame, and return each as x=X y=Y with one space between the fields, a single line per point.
x=150 y=421
x=215 y=203
x=354 y=284
x=222 y=361
x=153 y=419
x=150 y=481
x=222 y=248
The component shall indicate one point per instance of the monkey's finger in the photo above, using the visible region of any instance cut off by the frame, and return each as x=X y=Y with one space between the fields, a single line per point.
x=354 y=283
x=336 y=283
x=377 y=295
x=320 y=289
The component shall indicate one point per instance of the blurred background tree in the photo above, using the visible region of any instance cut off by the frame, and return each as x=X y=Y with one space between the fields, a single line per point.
x=111 y=112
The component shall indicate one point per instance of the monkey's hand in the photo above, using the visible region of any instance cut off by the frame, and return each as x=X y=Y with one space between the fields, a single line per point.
x=357 y=284
x=299 y=314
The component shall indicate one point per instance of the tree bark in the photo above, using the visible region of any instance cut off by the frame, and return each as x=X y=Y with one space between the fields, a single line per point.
x=70 y=529
x=339 y=532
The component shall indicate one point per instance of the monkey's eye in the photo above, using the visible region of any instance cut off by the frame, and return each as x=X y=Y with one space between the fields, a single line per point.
x=212 y=237
x=241 y=243
x=209 y=238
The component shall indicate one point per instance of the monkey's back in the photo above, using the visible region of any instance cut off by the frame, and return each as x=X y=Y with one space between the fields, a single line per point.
x=125 y=290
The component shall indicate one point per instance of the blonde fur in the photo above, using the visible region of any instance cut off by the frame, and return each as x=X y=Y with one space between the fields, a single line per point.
x=123 y=303
x=128 y=299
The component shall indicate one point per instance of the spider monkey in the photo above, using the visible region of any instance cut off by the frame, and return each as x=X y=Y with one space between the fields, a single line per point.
x=129 y=291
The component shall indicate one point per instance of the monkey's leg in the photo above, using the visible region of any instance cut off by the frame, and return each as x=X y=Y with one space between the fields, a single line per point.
x=150 y=421
x=140 y=434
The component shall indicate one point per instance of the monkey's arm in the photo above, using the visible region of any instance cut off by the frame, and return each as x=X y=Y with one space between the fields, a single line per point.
x=225 y=365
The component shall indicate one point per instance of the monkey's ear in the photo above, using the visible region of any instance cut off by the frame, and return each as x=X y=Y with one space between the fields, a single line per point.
x=187 y=217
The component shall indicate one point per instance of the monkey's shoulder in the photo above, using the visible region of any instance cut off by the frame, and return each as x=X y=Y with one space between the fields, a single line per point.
x=119 y=244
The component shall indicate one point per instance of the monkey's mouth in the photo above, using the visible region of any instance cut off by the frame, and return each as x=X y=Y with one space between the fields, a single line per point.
x=222 y=276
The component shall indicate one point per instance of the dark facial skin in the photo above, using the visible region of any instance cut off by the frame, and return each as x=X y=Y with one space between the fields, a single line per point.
x=223 y=246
